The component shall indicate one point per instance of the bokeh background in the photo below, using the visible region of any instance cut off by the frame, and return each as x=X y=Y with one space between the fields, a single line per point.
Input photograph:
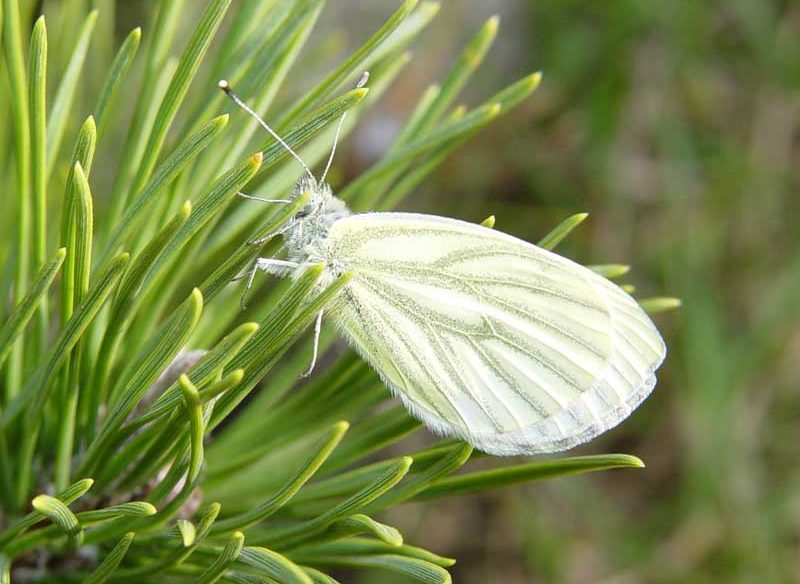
x=674 y=123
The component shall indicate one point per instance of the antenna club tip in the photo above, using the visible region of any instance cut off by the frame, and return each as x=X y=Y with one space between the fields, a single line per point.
x=224 y=85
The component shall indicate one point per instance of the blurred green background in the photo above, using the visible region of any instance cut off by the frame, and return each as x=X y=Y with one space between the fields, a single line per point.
x=675 y=125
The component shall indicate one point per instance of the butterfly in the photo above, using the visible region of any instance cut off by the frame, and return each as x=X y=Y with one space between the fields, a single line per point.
x=483 y=336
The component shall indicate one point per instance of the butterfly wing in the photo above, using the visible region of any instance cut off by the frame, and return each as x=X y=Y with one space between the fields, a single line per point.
x=484 y=336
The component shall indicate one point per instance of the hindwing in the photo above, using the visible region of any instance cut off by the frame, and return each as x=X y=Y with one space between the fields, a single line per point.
x=484 y=336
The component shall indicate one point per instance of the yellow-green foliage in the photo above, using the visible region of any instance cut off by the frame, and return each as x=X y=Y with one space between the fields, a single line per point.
x=121 y=234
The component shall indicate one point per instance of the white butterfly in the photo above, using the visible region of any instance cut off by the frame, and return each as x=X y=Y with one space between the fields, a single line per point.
x=483 y=336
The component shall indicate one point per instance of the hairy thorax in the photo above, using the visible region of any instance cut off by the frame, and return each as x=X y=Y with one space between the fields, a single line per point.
x=306 y=238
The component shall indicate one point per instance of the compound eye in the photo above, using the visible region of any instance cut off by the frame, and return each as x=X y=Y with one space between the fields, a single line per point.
x=302 y=214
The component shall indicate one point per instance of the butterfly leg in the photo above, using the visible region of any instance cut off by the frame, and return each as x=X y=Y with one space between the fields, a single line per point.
x=269 y=265
x=252 y=198
x=269 y=236
x=317 y=330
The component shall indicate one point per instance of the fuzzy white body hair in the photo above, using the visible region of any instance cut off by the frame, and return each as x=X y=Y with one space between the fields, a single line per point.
x=483 y=336
x=305 y=239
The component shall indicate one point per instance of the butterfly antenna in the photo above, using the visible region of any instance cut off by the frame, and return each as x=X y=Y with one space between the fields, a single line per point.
x=225 y=86
x=362 y=81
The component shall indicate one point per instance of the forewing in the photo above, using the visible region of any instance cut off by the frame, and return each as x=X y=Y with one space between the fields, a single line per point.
x=489 y=338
